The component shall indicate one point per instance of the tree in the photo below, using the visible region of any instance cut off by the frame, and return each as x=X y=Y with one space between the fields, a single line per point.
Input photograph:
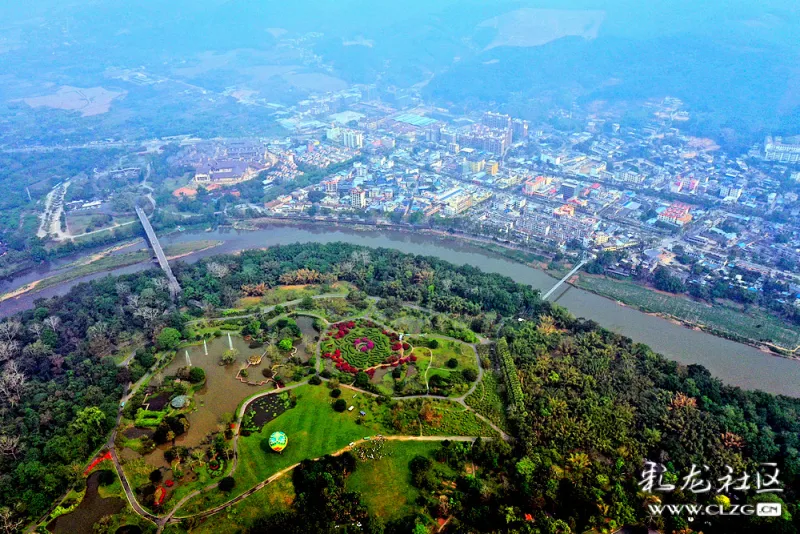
x=196 y=375
x=10 y=446
x=362 y=379
x=10 y=329
x=452 y=363
x=307 y=303
x=218 y=270
x=433 y=343
x=53 y=322
x=229 y=356
x=665 y=281
x=336 y=393
x=168 y=339
x=469 y=374
x=315 y=380
x=227 y=484
x=340 y=405
x=155 y=476
x=8 y=349
x=12 y=381
x=316 y=196
x=90 y=421
x=8 y=523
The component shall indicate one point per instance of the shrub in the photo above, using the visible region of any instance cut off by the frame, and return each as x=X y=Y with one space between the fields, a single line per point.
x=452 y=363
x=336 y=392
x=266 y=372
x=362 y=379
x=196 y=375
x=340 y=405
x=227 y=484
x=105 y=477
x=155 y=476
x=315 y=380
x=325 y=373
x=513 y=385
x=285 y=344
x=470 y=375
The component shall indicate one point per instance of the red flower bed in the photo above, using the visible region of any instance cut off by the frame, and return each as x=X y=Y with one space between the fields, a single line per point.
x=106 y=456
x=397 y=346
x=159 y=496
x=406 y=346
x=169 y=483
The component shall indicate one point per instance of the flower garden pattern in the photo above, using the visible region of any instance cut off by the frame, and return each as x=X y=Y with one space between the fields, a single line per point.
x=362 y=345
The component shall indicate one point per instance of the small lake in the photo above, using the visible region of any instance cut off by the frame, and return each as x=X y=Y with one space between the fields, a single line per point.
x=221 y=393
x=89 y=511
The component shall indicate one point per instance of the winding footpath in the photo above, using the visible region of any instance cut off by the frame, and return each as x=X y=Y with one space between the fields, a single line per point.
x=162 y=521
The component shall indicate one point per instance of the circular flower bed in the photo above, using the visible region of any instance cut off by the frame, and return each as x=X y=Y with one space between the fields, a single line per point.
x=354 y=346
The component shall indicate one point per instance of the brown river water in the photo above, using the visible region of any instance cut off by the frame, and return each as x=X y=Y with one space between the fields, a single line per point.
x=734 y=363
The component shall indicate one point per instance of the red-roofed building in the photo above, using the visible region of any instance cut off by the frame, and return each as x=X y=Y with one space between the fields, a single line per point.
x=677 y=213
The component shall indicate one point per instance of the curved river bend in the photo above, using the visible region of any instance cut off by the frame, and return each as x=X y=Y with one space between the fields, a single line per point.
x=732 y=362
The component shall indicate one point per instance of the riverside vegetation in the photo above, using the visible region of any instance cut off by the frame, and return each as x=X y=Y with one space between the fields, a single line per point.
x=585 y=407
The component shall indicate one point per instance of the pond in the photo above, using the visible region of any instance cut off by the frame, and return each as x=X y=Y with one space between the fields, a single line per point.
x=89 y=511
x=306 y=326
x=221 y=394
x=264 y=409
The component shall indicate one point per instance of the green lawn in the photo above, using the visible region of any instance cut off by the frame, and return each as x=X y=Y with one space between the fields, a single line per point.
x=313 y=429
x=385 y=484
x=275 y=497
x=446 y=350
x=755 y=325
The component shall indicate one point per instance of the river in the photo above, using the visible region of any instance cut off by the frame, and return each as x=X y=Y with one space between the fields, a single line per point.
x=732 y=362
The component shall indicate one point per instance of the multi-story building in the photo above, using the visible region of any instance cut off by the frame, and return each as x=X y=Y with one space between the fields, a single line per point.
x=331 y=186
x=333 y=134
x=520 y=129
x=569 y=189
x=497 y=120
x=358 y=198
x=533 y=186
x=777 y=150
x=352 y=139
x=677 y=213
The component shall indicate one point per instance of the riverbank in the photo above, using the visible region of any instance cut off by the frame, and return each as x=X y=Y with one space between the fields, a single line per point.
x=762 y=331
x=734 y=363
x=106 y=261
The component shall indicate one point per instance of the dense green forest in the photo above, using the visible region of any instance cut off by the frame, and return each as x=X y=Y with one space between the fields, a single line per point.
x=587 y=407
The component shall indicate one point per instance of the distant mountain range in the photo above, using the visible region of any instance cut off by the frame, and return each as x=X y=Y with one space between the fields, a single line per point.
x=735 y=63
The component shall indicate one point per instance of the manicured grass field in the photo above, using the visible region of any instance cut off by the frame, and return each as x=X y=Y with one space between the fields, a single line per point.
x=275 y=497
x=314 y=429
x=446 y=350
x=385 y=484
x=719 y=317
